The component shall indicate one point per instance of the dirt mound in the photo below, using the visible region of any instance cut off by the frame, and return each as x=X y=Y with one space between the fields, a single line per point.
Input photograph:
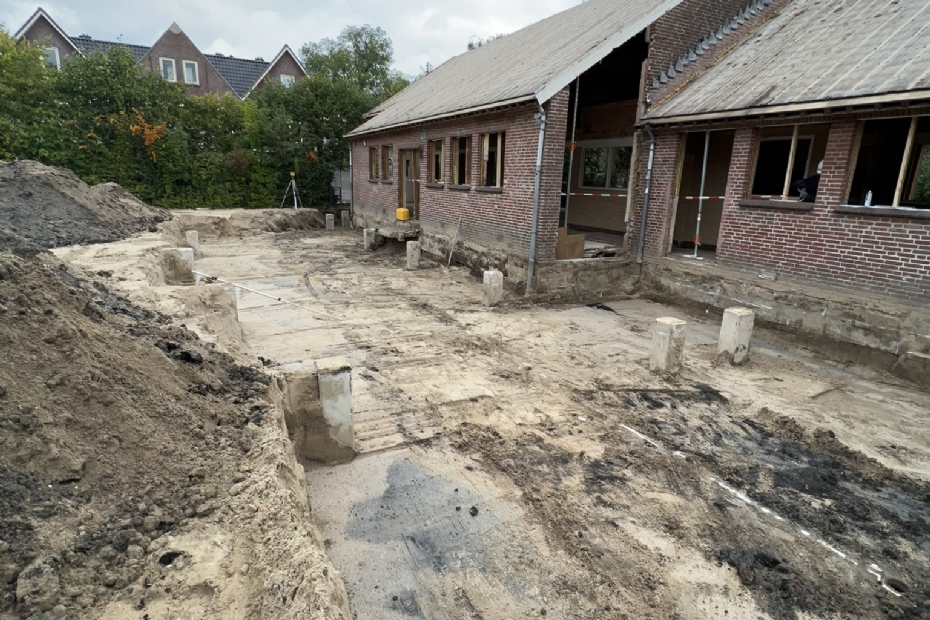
x=142 y=473
x=46 y=207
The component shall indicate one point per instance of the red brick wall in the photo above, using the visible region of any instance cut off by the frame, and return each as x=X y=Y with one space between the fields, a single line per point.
x=42 y=30
x=181 y=48
x=497 y=221
x=611 y=120
x=286 y=65
x=661 y=194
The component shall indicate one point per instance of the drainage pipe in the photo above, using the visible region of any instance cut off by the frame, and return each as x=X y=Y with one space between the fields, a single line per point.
x=571 y=152
x=645 y=213
x=210 y=278
x=352 y=189
x=531 y=269
x=697 y=230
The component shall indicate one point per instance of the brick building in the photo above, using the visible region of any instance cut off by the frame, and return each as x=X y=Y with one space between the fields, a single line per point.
x=173 y=55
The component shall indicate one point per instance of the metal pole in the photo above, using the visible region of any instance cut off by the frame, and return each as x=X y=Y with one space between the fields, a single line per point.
x=697 y=230
x=531 y=269
x=571 y=151
x=645 y=213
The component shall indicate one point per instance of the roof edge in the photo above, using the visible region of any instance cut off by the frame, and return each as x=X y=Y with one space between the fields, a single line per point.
x=284 y=50
x=548 y=90
x=828 y=106
x=40 y=12
x=446 y=115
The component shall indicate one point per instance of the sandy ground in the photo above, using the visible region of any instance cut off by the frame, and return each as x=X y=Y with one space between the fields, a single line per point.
x=522 y=461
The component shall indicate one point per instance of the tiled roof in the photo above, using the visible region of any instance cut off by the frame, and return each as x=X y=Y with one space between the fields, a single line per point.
x=89 y=45
x=239 y=73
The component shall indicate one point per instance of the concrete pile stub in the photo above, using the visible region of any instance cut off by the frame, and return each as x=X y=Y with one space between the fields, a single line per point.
x=493 y=288
x=193 y=240
x=335 y=377
x=413 y=255
x=345 y=219
x=668 y=346
x=330 y=221
x=736 y=335
x=370 y=237
x=233 y=294
x=177 y=265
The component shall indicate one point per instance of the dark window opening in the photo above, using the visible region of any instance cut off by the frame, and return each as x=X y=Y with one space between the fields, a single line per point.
x=461 y=173
x=436 y=161
x=492 y=172
x=387 y=163
x=373 y=162
x=803 y=148
x=882 y=176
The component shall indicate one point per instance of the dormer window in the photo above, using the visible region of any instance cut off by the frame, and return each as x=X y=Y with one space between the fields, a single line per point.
x=53 y=59
x=191 y=74
x=168 y=70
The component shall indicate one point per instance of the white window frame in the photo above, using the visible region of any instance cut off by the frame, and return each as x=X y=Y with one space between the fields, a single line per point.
x=57 y=56
x=184 y=64
x=603 y=144
x=174 y=69
x=290 y=80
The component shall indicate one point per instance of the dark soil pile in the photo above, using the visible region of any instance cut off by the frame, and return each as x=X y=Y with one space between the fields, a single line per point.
x=115 y=428
x=44 y=207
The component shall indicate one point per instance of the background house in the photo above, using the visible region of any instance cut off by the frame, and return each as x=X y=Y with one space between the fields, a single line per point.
x=174 y=56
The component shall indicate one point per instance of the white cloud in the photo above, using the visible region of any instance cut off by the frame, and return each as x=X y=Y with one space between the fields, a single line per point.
x=251 y=29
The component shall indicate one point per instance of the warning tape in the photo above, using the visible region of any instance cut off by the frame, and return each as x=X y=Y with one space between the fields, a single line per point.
x=701 y=197
x=594 y=195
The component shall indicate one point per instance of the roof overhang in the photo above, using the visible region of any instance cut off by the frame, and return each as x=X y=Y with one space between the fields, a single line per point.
x=483 y=109
x=811 y=107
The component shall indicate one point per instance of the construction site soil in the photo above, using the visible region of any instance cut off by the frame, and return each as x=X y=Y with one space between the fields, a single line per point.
x=515 y=462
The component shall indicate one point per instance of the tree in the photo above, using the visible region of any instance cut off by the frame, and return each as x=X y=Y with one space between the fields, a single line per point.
x=25 y=96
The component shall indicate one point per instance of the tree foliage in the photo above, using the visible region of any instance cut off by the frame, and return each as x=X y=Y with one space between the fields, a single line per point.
x=108 y=119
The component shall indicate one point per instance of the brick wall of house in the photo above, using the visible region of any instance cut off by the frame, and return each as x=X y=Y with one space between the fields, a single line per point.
x=286 y=65
x=42 y=30
x=179 y=47
x=661 y=193
x=497 y=221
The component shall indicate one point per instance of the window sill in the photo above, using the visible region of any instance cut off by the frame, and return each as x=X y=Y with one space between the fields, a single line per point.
x=460 y=188
x=906 y=212
x=373 y=181
x=435 y=185
x=386 y=182
x=490 y=190
x=783 y=205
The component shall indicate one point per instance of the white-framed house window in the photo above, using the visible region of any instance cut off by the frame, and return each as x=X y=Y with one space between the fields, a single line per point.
x=287 y=80
x=53 y=58
x=606 y=165
x=168 y=69
x=191 y=72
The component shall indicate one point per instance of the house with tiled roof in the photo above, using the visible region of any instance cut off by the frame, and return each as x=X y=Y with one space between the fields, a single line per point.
x=174 y=55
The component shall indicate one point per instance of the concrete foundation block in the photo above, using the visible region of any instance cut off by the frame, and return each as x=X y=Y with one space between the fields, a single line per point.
x=193 y=240
x=346 y=220
x=736 y=334
x=330 y=221
x=233 y=293
x=369 y=238
x=413 y=255
x=177 y=265
x=668 y=346
x=335 y=377
x=493 y=288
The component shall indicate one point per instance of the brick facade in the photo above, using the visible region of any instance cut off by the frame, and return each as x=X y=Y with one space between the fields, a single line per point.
x=286 y=65
x=178 y=46
x=499 y=221
x=43 y=32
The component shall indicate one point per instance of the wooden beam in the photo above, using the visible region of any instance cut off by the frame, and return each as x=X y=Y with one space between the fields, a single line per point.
x=908 y=149
x=791 y=156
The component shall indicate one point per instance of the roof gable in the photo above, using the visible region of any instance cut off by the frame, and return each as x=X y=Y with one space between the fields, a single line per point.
x=285 y=51
x=533 y=63
x=40 y=14
x=169 y=43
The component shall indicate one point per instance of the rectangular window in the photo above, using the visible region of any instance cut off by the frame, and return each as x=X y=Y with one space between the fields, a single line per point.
x=461 y=161
x=788 y=161
x=191 y=74
x=436 y=172
x=53 y=60
x=492 y=160
x=606 y=167
x=373 y=162
x=893 y=164
x=387 y=162
x=168 y=70
x=287 y=80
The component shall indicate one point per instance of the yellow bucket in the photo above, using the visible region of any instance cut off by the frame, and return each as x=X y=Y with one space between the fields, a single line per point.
x=403 y=214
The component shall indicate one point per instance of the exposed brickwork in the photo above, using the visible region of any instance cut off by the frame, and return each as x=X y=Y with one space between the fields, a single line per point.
x=662 y=192
x=497 y=221
x=41 y=31
x=611 y=120
x=180 y=48
x=286 y=65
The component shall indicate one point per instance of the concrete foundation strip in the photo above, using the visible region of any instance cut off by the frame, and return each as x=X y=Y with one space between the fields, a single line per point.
x=210 y=278
x=873 y=569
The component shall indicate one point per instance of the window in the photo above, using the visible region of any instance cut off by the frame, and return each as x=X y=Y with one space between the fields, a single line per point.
x=191 y=75
x=53 y=60
x=287 y=80
x=373 y=162
x=167 y=69
x=387 y=162
x=436 y=172
x=461 y=161
x=492 y=160
x=892 y=166
x=606 y=167
x=785 y=156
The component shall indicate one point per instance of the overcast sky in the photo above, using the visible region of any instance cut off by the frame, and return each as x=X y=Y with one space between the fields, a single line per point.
x=421 y=31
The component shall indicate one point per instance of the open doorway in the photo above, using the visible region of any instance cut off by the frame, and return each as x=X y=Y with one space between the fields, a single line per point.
x=410 y=182
x=702 y=184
